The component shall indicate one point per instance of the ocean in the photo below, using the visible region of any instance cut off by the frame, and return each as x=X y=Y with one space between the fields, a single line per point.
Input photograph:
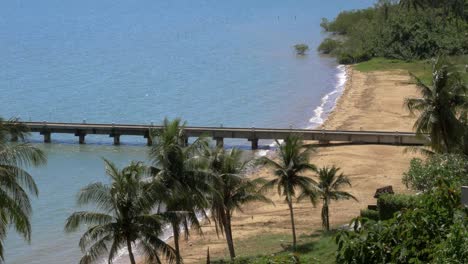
x=209 y=62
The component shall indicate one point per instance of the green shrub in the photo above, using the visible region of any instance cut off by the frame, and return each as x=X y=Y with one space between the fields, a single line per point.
x=423 y=175
x=428 y=232
x=389 y=204
x=301 y=49
x=370 y=214
x=328 y=46
x=455 y=248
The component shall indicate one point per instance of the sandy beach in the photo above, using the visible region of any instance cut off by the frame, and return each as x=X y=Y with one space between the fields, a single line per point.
x=370 y=101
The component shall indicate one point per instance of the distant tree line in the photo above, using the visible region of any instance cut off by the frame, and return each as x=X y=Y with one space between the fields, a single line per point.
x=406 y=29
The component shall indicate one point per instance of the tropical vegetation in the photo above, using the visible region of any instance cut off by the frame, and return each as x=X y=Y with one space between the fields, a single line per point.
x=233 y=189
x=124 y=216
x=301 y=49
x=419 y=235
x=182 y=171
x=423 y=175
x=441 y=108
x=329 y=187
x=405 y=29
x=15 y=182
x=288 y=172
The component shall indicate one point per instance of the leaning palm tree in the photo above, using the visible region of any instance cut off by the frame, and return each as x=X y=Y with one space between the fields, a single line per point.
x=293 y=161
x=232 y=189
x=182 y=170
x=124 y=217
x=329 y=188
x=439 y=107
x=15 y=181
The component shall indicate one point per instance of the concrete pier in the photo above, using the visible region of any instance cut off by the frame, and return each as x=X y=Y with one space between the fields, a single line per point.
x=116 y=138
x=220 y=133
x=47 y=136
x=254 y=143
x=81 y=137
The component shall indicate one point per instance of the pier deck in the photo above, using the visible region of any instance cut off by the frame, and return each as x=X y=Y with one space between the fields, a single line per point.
x=220 y=133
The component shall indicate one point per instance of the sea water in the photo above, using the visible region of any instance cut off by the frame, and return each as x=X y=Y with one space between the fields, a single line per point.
x=210 y=62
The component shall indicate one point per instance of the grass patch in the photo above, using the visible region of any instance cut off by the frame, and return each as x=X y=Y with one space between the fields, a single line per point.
x=276 y=248
x=422 y=68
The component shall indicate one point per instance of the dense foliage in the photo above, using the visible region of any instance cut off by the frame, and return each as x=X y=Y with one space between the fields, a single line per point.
x=15 y=182
x=370 y=214
x=124 y=216
x=420 y=235
x=389 y=204
x=424 y=174
x=402 y=31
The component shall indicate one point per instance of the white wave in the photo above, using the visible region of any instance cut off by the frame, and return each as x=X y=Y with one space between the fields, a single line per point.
x=328 y=102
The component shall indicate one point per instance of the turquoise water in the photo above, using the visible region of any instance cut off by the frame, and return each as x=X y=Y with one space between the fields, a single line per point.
x=210 y=62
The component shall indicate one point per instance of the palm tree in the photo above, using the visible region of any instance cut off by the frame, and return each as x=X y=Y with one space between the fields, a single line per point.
x=232 y=189
x=15 y=181
x=413 y=4
x=124 y=216
x=182 y=171
x=439 y=107
x=293 y=161
x=329 y=188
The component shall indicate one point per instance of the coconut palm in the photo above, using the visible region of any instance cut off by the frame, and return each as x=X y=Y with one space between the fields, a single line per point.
x=293 y=162
x=181 y=169
x=439 y=107
x=329 y=188
x=124 y=216
x=15 y=181
x=232 y=189
x=413 y=4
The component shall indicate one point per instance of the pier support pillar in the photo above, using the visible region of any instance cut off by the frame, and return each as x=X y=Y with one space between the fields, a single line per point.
x=81 y=137
x=47 y=137
x=219 y=142
x=149 y=140
x=254 y=142
x=116 y=139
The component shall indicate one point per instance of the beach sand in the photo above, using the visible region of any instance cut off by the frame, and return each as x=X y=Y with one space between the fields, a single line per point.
x=370 y=101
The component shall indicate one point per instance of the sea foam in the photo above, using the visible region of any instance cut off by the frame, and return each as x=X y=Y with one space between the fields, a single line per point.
x=328 y=102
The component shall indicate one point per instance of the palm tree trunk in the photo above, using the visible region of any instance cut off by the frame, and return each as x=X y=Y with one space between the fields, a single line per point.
x=291 y=212
x=228 y=233
x=325 y=215
x=175 y=229
x=130 y=253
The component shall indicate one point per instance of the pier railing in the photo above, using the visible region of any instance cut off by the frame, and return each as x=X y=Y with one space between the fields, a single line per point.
x=252 y=134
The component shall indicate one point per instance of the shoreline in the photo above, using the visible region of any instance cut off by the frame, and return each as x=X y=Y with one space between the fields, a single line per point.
x=327 y=106
x=368 y=100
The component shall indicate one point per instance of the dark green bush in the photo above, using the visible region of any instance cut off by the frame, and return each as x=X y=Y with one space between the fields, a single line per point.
x=328 y=46
x=389 y=204
x=370 y=214
x=434 y=231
